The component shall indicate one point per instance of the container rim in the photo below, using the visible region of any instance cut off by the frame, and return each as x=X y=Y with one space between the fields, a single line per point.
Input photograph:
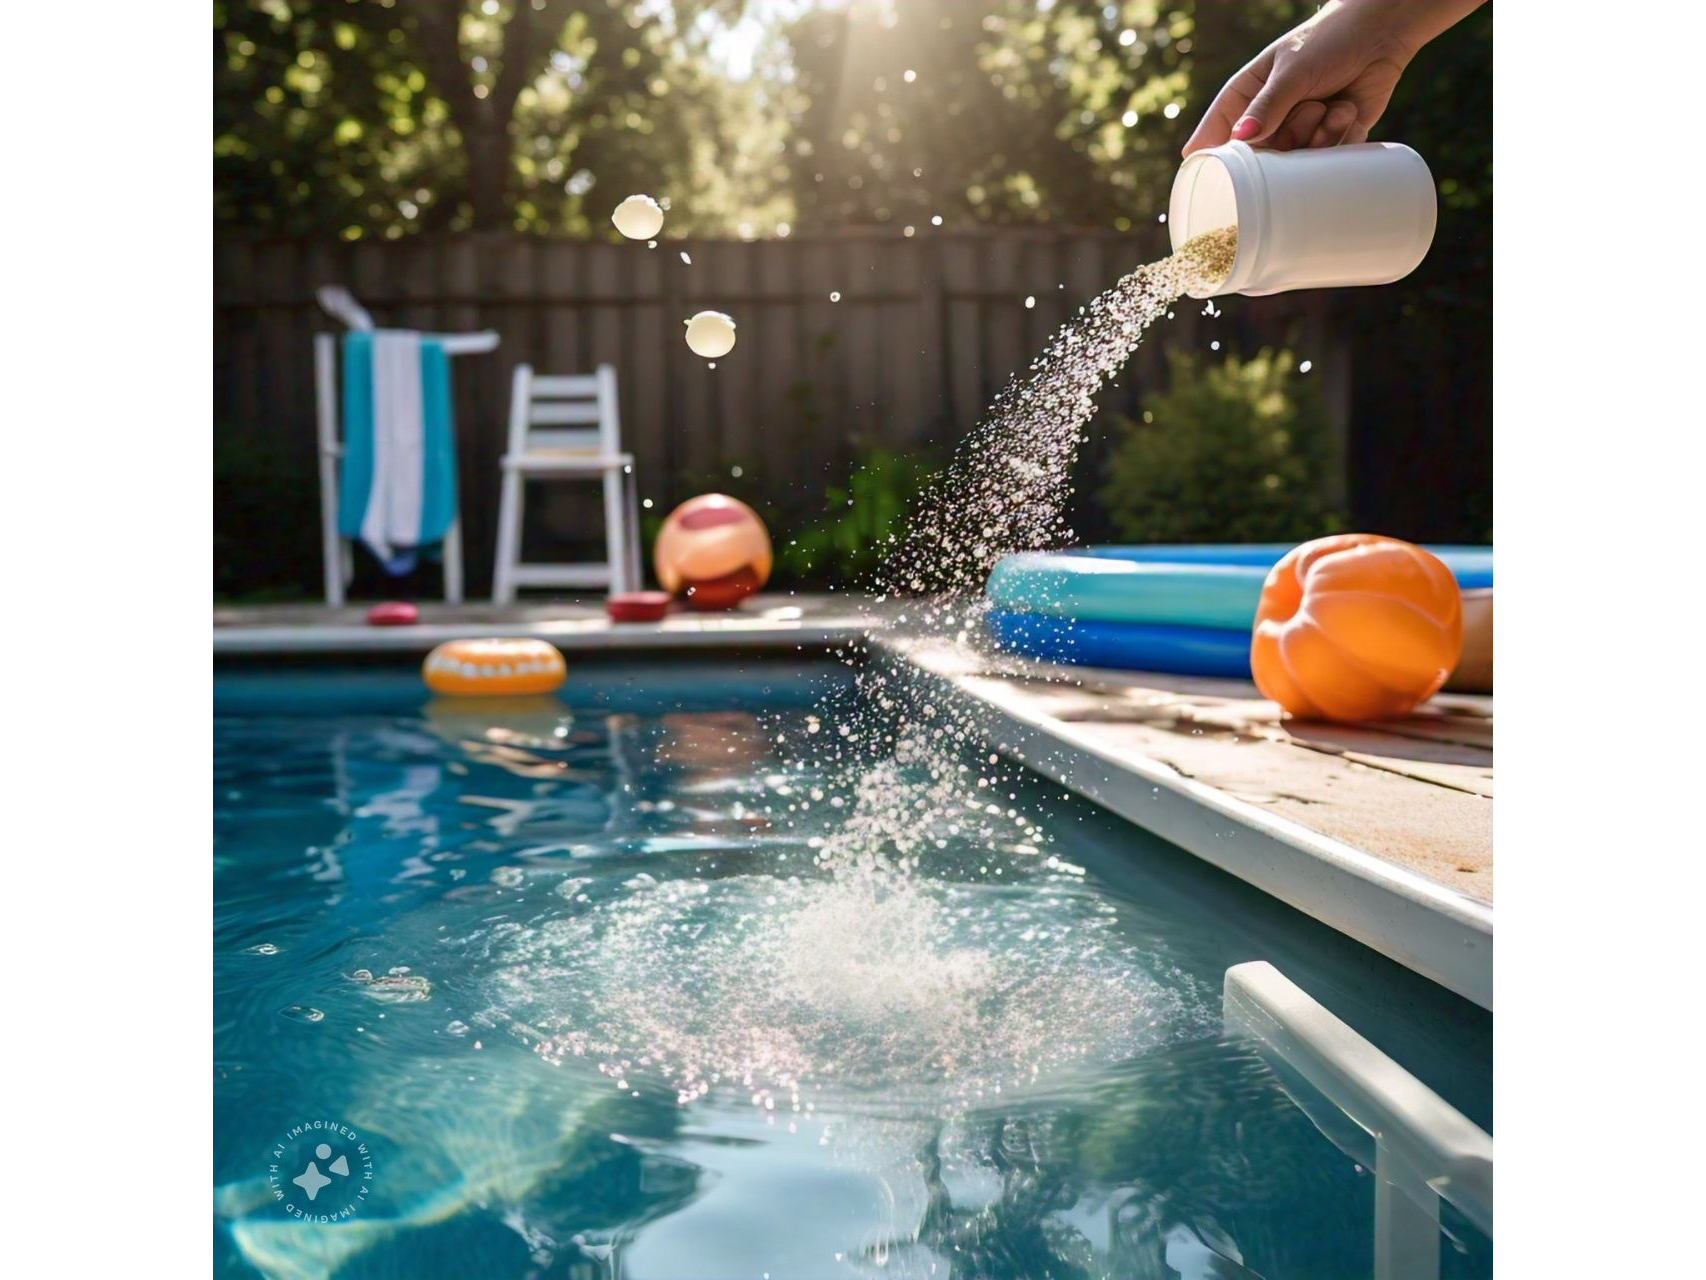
x=1249 y=195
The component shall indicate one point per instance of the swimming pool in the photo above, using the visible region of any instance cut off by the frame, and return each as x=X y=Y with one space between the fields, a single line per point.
x=585 y=1005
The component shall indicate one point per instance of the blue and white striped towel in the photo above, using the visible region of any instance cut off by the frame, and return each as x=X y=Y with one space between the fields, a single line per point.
x=398 y=488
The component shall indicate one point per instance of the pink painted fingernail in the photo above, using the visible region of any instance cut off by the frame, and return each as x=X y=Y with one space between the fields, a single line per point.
x=1246 y=128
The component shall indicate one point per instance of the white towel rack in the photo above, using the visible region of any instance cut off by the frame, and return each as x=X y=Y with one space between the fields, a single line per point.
x=335 y=551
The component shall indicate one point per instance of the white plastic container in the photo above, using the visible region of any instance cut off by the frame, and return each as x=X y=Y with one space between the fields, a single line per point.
x=1309 y=219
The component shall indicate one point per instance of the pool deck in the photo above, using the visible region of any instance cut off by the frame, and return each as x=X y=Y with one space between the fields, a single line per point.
x=1383 y=831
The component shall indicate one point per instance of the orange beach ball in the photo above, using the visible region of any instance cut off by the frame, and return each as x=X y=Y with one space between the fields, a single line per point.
x=713 y=549
x=1356 y=627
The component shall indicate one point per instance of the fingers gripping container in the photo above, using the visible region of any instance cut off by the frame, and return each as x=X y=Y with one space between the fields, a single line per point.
x=1308 y=219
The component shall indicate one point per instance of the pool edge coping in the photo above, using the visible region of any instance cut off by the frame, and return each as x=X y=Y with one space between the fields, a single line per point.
x=571 y=634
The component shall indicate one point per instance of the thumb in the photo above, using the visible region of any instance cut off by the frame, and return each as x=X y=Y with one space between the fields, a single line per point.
x=1272 y=104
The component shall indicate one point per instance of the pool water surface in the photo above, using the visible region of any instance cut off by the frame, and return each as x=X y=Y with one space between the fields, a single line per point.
x=571 y=983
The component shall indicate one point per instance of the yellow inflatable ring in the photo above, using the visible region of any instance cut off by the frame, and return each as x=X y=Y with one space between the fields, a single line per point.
x=494 y=666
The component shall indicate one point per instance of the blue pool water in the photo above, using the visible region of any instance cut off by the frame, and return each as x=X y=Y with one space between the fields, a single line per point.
x=569 y=998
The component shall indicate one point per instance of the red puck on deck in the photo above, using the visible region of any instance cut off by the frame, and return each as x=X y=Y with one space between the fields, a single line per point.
x=638 y=606
x=393 y=613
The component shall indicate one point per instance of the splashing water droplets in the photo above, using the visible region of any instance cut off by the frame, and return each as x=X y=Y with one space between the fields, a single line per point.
x=921 y=938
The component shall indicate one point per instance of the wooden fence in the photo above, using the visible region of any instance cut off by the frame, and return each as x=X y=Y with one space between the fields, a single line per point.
x=858 y=339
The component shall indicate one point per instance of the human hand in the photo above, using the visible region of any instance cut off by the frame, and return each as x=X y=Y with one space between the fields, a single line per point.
x=1327 y=80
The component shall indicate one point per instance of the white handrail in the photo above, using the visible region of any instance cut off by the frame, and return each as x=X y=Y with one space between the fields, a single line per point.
x=1425 y=1148
x=339 y=303
x=466 y=344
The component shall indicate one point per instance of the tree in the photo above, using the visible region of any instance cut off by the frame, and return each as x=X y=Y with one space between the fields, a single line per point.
x=380 y=117
x=482 y=106
x=985 y=111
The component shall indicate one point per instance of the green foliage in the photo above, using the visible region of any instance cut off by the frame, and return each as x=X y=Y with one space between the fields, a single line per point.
x=1001 y=111
x=383 y=117
x=1233 y=451
x=846 y=547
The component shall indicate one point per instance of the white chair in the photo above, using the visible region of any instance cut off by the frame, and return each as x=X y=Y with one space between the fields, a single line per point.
x=567 y=429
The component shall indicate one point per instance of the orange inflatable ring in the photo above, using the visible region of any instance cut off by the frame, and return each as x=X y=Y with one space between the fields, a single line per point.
x=483 y=667
x=714 y=550
x=1356 y=627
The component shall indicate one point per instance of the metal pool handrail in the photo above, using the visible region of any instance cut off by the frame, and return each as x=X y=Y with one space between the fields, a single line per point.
x=1425 y=1149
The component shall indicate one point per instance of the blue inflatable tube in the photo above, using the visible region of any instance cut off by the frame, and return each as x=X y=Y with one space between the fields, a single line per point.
x=1192 y=651
x=1107 y=588
x=1192 y=586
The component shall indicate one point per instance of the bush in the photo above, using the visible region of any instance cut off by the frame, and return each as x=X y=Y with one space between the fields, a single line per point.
x=1232 y=451
x=846 y=547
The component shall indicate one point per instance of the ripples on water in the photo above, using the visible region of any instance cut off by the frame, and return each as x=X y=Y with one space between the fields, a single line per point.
x=602 y=1000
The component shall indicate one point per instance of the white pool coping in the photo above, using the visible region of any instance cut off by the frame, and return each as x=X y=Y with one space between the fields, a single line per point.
x=682 y=631
x=1426 y=926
